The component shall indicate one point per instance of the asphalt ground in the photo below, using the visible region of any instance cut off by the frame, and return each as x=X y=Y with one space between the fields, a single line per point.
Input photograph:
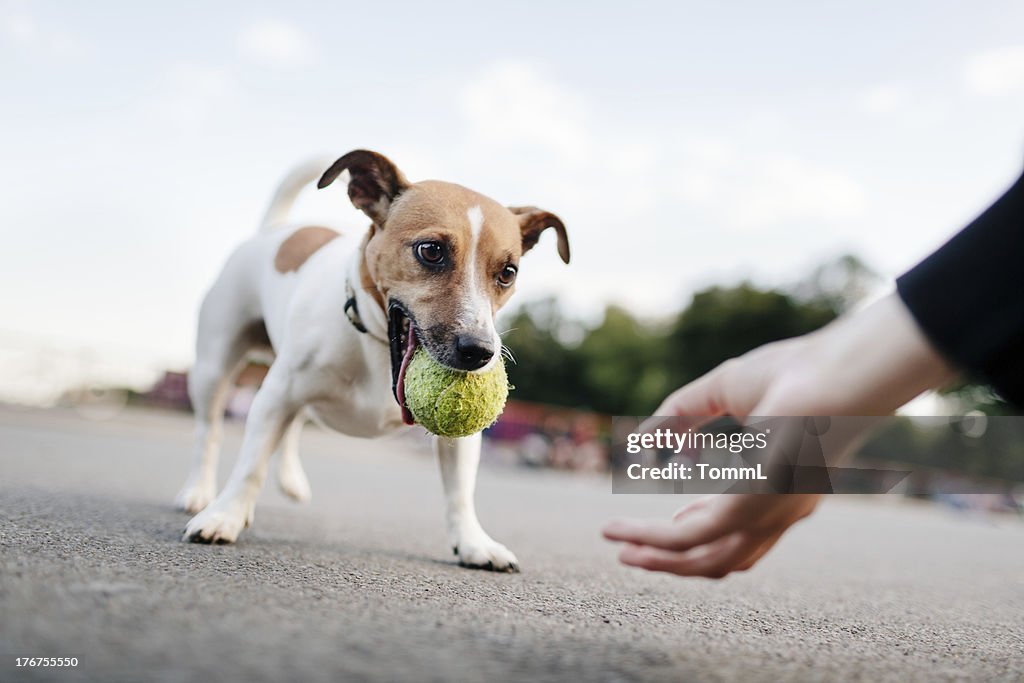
x=359 y=585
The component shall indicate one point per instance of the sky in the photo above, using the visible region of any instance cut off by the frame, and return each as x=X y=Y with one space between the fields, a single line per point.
x=683 y=144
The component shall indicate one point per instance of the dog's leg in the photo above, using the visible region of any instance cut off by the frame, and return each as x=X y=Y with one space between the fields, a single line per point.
x=209 y=384
x=232 y=510
x=459 y=459
x=290 y=475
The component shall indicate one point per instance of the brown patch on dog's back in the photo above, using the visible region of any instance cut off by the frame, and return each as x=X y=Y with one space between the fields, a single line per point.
x=300 y=245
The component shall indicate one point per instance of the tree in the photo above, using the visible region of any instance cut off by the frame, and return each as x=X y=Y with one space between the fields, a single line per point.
x=722 y=323
x=544 y=369
x=625 y=366
x=622 y=363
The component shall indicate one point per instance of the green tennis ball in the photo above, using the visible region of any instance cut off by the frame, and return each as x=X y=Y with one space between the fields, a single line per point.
x=452 y=403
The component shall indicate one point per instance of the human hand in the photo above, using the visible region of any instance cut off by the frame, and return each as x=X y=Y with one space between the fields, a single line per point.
x=713 y=536
x=869 y=363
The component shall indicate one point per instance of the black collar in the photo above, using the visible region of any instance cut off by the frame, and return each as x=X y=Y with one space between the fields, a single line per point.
x=352 y=311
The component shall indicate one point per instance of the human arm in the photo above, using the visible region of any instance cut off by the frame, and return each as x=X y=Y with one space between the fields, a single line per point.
x=867 y=363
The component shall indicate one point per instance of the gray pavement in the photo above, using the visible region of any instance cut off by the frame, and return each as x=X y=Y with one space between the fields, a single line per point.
x=358 y=585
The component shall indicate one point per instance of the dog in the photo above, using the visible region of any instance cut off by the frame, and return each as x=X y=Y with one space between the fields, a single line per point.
x=340 y=319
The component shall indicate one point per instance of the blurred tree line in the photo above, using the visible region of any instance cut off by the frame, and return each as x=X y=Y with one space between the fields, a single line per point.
x=995 y=450
x=625 y=365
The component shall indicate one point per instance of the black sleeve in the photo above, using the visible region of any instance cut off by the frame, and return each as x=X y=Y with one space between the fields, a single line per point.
x=968 y=296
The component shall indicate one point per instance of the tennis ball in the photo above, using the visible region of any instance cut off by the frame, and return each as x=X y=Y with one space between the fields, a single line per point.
x=452 y=403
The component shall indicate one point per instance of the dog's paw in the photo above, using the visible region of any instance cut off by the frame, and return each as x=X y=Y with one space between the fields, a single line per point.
x=293 y=481
x=485 y=553
x=194 y=498
x=218 y=523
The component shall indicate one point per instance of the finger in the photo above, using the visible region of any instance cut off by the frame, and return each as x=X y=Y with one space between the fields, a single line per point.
x=759 y=552
x=714 y=561
x=733 y=388
x=677 y=423
x=649 y=558
x=722 y=561
x=691 y=507
x=701 y=397
x=696 y=530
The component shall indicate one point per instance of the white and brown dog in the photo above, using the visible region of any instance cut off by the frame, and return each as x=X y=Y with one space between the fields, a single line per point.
x=341 y=319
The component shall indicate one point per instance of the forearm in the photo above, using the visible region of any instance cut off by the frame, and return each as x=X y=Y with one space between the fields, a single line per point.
x=867 y=363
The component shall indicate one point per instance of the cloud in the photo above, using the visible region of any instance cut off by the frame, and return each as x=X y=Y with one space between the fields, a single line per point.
x=886 y=98
x=276 y=44
x=511 y=104
x=996 y=72
x=790 y=189
x=191 y=93
x=514 y=111
x=749 y=191
x=646 y=203
x=21 y=29
x=194 y=92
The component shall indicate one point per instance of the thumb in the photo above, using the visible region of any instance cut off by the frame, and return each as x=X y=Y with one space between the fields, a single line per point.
x=703 y=396
x=687 y=408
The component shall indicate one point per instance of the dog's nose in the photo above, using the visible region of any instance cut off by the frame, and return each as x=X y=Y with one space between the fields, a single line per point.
x=472 y=353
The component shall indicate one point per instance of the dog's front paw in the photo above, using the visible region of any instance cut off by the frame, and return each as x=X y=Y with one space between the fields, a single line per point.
x=194 y=497
x=218 y=523
x=483 y=552
x=293 y=481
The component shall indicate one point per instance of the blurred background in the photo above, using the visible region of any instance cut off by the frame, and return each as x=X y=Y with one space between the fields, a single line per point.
x=730 y=174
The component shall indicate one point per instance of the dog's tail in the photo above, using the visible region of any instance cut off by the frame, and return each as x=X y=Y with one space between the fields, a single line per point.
x=289 y=189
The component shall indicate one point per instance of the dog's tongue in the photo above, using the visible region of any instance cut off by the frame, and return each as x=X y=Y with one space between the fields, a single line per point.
x=410 y=348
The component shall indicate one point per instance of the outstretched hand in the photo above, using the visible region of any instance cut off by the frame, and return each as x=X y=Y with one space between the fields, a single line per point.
x=711 y=536
x=869 y=363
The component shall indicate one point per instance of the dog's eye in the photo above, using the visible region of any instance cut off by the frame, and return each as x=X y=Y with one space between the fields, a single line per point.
x=430 y=253
x=507 y=275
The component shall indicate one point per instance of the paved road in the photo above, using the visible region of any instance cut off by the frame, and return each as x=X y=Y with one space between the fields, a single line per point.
x=357 y=585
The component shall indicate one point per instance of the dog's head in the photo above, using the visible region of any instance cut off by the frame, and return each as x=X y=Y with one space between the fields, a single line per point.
x=443 y=258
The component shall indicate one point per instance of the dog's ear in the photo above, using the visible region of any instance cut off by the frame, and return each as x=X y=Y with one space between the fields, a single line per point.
x=534 y=221
x=374 y=185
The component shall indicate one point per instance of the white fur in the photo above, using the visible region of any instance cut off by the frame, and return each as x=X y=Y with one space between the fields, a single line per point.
x=324 y=368
x=476 y=223
x=288 y=191
x=476 y=305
